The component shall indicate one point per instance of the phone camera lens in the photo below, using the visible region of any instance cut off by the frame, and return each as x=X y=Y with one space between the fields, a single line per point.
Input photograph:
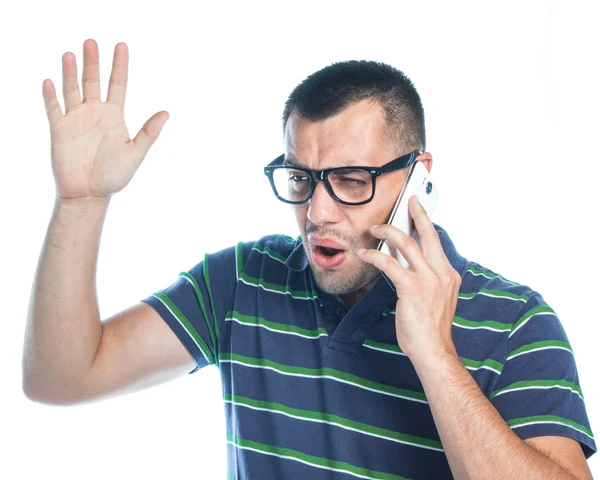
x=429 y=188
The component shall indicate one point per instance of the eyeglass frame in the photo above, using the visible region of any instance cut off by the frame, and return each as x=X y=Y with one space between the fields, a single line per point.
x=322 y=175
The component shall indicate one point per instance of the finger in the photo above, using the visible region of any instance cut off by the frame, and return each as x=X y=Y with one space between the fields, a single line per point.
x=51 y=102
x=117 y=86
x=91 y=72
x=428 y=235
x=407 y=245
x=387 y=264
x=149 y=132
x=70 y=85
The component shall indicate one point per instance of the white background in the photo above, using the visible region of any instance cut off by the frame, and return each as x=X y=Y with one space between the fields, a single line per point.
x=510 y=91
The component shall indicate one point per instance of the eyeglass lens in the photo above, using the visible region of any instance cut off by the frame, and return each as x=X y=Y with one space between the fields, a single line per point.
x=348 y=184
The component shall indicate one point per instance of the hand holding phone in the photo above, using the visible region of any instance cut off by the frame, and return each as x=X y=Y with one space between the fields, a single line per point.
x=418 y=183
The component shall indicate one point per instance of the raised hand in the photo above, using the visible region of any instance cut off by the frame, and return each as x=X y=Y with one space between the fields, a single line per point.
x=92 y=153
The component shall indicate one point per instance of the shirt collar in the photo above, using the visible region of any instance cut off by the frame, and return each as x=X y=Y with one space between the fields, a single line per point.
x=298 y=262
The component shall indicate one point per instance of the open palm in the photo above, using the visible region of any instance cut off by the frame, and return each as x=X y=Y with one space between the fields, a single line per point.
x=92 y=153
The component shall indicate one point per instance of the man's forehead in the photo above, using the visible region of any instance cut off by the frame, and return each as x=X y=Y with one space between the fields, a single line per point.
x=355 y=135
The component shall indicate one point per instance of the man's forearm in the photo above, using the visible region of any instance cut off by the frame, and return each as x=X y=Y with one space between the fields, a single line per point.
x=477 y=441
x=63 y=326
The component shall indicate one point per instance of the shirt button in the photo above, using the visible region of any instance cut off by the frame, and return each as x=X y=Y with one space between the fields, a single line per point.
x=341 y=312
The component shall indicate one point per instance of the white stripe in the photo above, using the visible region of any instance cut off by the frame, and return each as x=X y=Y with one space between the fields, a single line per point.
x=298 y=460
x=534 y=315
x=483 y=327
x=493 y=296
x=537 y=350
x=191 y=283
x=538 y=387
x=231 y=319
x=277 y=291
x=268 y=254
x=345 y=427
x=186 y=330
x=486 y=367
x=492 y=277
x=384 y=350
x=329 y=377
x=554 y=423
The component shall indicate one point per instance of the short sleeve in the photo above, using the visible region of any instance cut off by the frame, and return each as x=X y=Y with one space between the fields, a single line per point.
x=194 y=306
x=538 y=392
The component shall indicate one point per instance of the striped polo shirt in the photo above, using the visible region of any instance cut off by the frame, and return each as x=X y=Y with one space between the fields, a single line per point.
x=315 y=390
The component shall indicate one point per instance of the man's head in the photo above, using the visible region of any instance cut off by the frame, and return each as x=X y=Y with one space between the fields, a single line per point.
x=354 y=113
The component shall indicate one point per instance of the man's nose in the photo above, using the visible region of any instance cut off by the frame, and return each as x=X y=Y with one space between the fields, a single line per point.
x=323 y=208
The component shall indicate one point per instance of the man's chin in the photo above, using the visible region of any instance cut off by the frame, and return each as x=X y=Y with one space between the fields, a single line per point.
x=340 y=281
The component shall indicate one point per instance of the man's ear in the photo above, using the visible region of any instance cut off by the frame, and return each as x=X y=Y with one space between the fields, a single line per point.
x=427 y=160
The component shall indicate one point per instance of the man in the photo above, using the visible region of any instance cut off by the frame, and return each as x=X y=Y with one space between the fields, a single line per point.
x=328 y=372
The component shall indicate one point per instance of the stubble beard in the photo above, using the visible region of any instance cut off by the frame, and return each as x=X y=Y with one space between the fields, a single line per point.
x=334 y=281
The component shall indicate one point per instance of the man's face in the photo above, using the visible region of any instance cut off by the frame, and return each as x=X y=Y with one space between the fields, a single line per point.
x=355 y=137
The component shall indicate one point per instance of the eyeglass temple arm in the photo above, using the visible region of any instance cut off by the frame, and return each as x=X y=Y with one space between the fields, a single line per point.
x=401 y=162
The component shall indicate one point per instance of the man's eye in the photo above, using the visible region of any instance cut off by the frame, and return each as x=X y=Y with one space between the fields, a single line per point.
x=352 y=181
x=298 y=178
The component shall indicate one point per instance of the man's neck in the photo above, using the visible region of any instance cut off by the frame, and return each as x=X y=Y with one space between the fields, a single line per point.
x=352 y=298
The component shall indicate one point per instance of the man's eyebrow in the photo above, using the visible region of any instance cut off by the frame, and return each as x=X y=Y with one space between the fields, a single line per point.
x=293 y=161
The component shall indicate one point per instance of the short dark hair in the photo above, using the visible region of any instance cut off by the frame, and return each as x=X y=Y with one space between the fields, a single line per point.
x=332 y=89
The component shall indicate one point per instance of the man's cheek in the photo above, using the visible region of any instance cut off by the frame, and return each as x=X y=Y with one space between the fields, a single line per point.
x=300 y=215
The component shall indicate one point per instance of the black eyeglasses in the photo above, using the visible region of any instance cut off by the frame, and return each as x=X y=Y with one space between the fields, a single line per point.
x=348 y=185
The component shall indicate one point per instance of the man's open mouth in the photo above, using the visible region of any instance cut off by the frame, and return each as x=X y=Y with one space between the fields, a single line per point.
x=328 y=257
x=328 y=251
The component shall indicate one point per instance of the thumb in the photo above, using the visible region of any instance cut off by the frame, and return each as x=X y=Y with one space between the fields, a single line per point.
x=149 y=132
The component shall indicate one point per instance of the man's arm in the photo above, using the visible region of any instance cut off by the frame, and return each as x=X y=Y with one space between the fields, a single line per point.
x=477 y=441
x=69 y=356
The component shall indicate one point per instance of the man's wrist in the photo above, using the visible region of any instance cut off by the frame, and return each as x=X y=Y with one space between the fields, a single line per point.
x=82 y=203
x=436 y=366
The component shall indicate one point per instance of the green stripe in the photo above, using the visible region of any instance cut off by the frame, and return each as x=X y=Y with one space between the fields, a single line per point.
x=201 y=301
x=239 y=258
x=336 y=420
x=529 y=314
x=279 y=327
x=187 y=325
x=212 y=303
x=320 y=462
x=494 y=293
x=488 y=362
x=487 y=324
x=287 y=238
x=520 y=422
x=387 y=347
x=488 y=274
x=539 y=345
x=469 y=363
x=325 y=372
x=388 y=311
x=269 y=251
x=539 y=384
x=260 y=282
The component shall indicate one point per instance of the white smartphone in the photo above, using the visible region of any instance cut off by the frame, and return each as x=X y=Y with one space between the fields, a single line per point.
x=419 y=183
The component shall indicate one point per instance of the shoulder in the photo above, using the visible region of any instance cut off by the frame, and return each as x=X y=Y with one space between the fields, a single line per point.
x=277 y=246
x=271 y=252
x=488 y=296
